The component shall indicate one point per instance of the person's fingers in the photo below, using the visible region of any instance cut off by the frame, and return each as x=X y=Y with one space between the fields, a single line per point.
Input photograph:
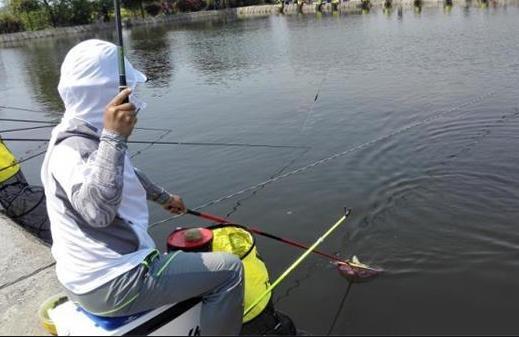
x=117 y=100
x=129 y=119
x=127 y=115
x=175 y=205
x=174 y=210
x=127 y=107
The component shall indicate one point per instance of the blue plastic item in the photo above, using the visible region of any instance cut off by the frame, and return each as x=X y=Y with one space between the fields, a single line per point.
x=111 y=323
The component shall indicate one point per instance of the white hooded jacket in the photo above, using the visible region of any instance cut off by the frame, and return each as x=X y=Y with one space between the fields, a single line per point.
x=96 y=200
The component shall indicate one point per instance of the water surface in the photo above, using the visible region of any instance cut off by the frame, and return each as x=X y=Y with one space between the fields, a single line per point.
x=435 y=203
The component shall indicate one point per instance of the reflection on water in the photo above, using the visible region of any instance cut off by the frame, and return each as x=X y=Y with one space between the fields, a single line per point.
x=435 y=199
x=151 y=48
x=42 y=73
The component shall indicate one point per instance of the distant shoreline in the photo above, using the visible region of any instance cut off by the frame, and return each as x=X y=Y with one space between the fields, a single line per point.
x=225 y=14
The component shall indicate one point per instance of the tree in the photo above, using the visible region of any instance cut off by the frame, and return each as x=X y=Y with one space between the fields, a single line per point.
x=102 y=9
x=25 y=8
x=134 y=5
x=9 y=23
x=50 y=12
x=74 y=12
x=190 y=5
x=29 y=7
x=153 y=8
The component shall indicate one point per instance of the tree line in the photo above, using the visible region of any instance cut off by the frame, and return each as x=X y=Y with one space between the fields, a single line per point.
x=30 y=15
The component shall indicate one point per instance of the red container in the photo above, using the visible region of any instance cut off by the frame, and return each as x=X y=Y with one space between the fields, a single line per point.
x=190 y=240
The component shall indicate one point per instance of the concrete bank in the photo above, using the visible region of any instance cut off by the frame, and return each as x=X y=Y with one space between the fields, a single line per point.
x=27 y=279
x=182 y=18
x=355 y=6
x=350 y=6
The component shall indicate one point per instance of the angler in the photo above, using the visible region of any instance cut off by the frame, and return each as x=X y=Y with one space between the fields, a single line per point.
x=96 y=201
x=116 y=280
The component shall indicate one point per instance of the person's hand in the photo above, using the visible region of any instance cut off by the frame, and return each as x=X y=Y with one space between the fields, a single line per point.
x=175 y=205
x=120 y=117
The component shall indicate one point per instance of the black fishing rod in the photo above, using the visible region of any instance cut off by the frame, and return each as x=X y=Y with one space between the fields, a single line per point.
x=120 y=48
x=175 y=143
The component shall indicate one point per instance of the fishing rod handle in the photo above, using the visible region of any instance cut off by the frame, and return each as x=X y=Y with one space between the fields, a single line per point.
x=123 y=87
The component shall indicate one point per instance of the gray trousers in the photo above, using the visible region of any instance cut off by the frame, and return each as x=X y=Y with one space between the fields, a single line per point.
x=172 y=278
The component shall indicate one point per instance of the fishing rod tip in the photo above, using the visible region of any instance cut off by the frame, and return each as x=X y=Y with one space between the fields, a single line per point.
x=347 y=211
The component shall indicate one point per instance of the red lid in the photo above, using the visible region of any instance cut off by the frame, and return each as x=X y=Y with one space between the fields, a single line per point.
x=189 y=238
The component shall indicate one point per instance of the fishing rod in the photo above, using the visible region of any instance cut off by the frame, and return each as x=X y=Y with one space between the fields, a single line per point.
x=353 y=270
x=177 y=143
x=297 y=262
x=120 y=48
x=221 y=220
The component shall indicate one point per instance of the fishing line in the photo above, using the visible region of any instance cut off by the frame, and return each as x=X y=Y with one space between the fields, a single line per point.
x=54 y=123
x=291 y=162
x=23 y=160
x=219 y=144
x=310 y=272
x=281 y=170
x=164 y=134
x=324 y=160
x=311 y=110
x=482 y=135
x=27 y=121
x=341 y=306
x=26 y=129
x=298 y=261
x=19 y=109
x=400 y=199
x=179 y=143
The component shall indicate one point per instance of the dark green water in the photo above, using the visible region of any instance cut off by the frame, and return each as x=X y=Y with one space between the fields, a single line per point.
x=435 y=203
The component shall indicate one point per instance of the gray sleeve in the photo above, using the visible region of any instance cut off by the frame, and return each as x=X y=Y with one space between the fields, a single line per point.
x=153 y=192
x=97 y=199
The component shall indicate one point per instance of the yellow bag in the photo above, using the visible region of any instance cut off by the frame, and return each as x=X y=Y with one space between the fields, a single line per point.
x=239 y=241
x=8 y=164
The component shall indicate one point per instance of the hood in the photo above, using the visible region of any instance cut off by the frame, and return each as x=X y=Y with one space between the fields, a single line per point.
x=90 y=79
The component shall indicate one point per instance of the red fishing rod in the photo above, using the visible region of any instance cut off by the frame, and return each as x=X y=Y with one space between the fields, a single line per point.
x=352 y=270
x=221 y=220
